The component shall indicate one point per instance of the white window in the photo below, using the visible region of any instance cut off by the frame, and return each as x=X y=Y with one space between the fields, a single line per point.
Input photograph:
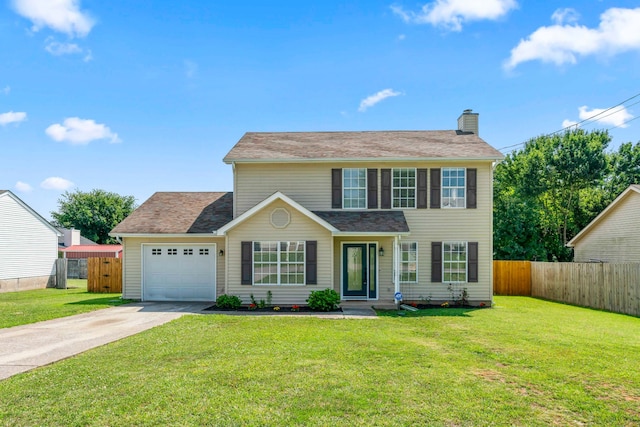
x=354 y=188
x=453 y=188
x=409 y=262
x=278 y=263
x=454 y=262
x=204 y=251
x=172 y=252
x=404 y=188
x=187 y=251
x=156 y=251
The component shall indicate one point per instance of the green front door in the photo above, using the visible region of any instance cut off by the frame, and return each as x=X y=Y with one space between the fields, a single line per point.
x=354 y=270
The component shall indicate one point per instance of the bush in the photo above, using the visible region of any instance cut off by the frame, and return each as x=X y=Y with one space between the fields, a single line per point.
x=228 y=301
x=325 y=300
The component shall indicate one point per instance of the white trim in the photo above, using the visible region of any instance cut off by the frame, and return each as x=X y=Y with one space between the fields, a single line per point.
x=409 y=242
x=215 y=263
x=366 y=189
x=571 y=243
x=366 y=297
x=415 y=188
x=466 y=260
x=31 y=211
x=365 y=159
x=455 y=187
x=275 y=196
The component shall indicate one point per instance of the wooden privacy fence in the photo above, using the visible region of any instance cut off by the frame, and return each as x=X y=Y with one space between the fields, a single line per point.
x=512 y=278
x=104 y=275
x=612 y=287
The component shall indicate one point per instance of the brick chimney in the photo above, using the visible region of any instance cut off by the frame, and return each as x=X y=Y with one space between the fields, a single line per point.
x=468 y=122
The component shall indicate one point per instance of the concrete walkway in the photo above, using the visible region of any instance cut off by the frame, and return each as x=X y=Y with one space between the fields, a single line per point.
x=26 y=347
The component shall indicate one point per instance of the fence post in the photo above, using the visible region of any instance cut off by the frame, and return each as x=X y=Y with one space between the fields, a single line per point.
x=61 y=273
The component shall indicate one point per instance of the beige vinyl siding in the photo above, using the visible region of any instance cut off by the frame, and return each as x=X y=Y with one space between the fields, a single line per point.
x=259 y=228
x=310 y=185
x=616 y=237
x=132 y=262
x=28 y=247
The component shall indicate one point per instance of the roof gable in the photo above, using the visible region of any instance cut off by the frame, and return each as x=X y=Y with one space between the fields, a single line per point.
x=366 y=145
x=275 y=196
x=7 y=193
x=631 y=191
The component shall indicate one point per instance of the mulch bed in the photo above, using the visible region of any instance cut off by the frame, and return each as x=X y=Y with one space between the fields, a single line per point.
x=283 y=310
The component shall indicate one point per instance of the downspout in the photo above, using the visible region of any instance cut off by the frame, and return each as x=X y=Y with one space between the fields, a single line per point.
x=396 y=265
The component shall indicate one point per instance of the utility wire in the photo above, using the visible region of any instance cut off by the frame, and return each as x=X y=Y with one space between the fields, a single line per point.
x=586 y=120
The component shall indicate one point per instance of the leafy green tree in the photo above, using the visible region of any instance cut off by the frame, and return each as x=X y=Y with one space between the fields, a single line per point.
x=95 y=213
x=538 y=192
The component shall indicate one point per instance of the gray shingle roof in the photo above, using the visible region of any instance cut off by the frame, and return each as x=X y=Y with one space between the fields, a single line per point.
x=179 y=213
x=374 y=145
x=366 y=221
x=83 y=240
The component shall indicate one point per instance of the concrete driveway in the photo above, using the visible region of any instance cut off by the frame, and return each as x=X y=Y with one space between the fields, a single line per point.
x=26 y=347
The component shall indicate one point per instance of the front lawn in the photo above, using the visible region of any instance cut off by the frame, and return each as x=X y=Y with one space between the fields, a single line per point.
x=20 y=308
x=526 y=362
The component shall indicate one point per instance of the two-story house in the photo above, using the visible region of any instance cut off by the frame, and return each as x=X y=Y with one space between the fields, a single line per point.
x=367 y=214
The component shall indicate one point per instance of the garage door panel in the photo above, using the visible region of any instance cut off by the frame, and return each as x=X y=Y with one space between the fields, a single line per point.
x=179 y=272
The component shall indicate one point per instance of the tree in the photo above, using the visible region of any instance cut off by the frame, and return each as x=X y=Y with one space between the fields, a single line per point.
x=538 y=193
x=94 y=213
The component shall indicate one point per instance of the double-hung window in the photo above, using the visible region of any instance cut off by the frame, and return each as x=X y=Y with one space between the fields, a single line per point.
x=404 y=188
x=453 y=187
x=454 y=262
x=354 y=188
x=279 y=263
x=409 y=262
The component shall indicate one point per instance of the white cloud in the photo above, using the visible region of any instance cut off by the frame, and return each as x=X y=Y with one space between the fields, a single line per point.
x=563 y=43
x=57 y=48
x=568 y=15
x=88 y=56
x=63 y=16
x=23 y=187
x=568 y=123
x=11 y=117
x=617 y=116
x=372 y=100
x=56 y=183
x=6 y=90
x=402 y=37
x=451 y=14
x=80 y=131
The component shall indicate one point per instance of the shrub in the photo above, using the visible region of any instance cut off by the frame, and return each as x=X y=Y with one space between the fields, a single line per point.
x=228 y=301
x=325 y=300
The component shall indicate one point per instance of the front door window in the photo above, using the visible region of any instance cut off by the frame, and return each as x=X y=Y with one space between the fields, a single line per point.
x=359 y=270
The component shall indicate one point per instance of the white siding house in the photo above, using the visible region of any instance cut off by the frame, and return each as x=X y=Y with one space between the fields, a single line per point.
x=28 y=246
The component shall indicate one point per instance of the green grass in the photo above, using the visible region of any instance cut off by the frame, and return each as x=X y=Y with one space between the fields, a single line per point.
x=21 y=308
x=526 y=362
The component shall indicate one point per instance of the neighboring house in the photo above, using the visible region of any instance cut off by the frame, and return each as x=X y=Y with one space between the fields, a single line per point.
x=71 y=237
x=367 y=214
x=28 y=246
x=613 y=236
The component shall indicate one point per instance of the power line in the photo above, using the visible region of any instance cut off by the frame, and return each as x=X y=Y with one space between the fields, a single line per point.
x=586 y=120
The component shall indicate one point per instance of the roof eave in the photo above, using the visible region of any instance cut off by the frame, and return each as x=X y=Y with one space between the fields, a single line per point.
x=364 y=159
x=171 y=235
x=371 y=233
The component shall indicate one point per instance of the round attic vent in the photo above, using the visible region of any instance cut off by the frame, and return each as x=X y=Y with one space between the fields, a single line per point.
x=280 y=218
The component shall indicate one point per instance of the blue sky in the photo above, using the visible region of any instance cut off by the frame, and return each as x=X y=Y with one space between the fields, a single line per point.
x=138 y=97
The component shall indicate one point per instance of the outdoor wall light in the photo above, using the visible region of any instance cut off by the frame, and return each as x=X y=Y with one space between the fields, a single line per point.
x=381 y=251
x=221 y=253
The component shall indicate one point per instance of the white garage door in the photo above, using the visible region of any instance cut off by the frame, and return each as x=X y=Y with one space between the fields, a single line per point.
x=179 y=272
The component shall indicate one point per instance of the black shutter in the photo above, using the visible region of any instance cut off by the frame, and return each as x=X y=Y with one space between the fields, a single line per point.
x=471 y=188
x=336 y=188
x=385 y=183
x=472 y=256
x=247 y=264
x=436 y=262
x=372 y=188
x=312 y=262
x=421 y=202
x=435 y=189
